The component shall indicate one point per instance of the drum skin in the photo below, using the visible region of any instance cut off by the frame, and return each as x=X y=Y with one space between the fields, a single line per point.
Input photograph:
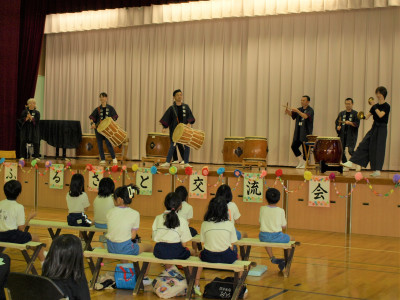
x=88 y=147
x=329 y=150
x=157 y=144
x=112 y=131
x=233 y=150
x=255 y=148
x=185 y=135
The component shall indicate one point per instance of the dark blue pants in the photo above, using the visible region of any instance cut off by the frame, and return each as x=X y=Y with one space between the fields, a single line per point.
x=100 y=139
x=172 y=149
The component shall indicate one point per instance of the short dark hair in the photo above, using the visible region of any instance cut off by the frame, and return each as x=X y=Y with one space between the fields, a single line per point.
x=65 y=259
x=182 y=192
x=381 y=90
x=217 y=210
x=225 y=192
x=77 y=185
x=123 y=193
x=102 y=94
x=172 y=202
x=349 y=99
x=12 y=189
x=106 y=187
x=273 y=195
x=175 y=92
x=308 y=98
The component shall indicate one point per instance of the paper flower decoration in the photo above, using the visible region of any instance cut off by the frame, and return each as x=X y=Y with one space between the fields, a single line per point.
x=188 y=171
x=2 y=160
x=114 y=168
x=123 y=168
x=173 y=170
x=237 y=173
x=358 y=176
x=69 y=163
x=204 y=171
x=33 y=162
x=396 y=178
x=332 y=176
x=135 y=167
x=153 y=170
x=21 y=163
x=221 y=171
x=263 y=173
x=278 y=173
x=307 y=175
x=89 y=167
x=48 y=164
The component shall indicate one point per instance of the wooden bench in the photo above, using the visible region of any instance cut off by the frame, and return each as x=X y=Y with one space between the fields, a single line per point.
x=245 y=245
x=30 y=260
x=147 y=257
x=87 y=233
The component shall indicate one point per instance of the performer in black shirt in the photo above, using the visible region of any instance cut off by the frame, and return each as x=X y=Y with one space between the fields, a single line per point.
x=29 y=132
x=175 y=114
x=347 y=125
x=304 y=117
x=100 y=113
x=372 y=147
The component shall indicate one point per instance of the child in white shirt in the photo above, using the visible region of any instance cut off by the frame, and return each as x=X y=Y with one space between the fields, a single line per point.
x=12 y=218
x=123 y=224
x=171 y=232
x=225 y=192
x=218 y=234
x=103 y=202
x=77 y=202
x=272 y=221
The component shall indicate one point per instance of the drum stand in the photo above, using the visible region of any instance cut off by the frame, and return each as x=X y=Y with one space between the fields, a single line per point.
x=155 y=160
x=323 y=167
x=254 y=163
x=309 y=148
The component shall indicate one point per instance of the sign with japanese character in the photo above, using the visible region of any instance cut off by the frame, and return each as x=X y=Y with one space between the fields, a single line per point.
x=94 y=178
x=10 y=171
x=319 y=192
x=144 y=181
x=252 y=187
x=198 y=186
x=57 y=176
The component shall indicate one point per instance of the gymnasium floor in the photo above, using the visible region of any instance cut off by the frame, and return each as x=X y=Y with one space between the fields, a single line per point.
x=326 y=265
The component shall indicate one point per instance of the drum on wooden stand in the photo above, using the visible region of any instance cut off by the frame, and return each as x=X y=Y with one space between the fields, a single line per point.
x=233 y=150
x=88 y=147
x=255 y=150
x=185 y=135
x=157 y=144
x=112 y=131
x=328 y=150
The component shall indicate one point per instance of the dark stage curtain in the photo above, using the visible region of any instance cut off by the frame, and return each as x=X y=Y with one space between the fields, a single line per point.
x=9 y=42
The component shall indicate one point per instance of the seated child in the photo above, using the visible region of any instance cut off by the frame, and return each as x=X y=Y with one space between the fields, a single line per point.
x=103 y=202
x=272 y=221
x=218 y=233
x=12 y=218
x=123 y=224
x=77 y=202
x=225 y=192
x=64 y=265
x=171 y=232
x=186 y=211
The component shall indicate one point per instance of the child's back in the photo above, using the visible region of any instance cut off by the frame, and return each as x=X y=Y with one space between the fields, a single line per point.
x=120 y=222
x=12 y=215
x=272 y=219
x=186 y=211
x=103 y=202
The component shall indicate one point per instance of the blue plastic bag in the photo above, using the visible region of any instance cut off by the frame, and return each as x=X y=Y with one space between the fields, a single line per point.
x=125 y=277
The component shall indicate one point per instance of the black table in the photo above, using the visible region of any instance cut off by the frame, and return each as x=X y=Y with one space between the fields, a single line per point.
x=61 y=134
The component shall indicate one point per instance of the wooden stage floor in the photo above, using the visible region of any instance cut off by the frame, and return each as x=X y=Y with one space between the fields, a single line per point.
x=326 y=265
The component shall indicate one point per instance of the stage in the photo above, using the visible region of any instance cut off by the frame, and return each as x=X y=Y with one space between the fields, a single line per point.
x=351 y=203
